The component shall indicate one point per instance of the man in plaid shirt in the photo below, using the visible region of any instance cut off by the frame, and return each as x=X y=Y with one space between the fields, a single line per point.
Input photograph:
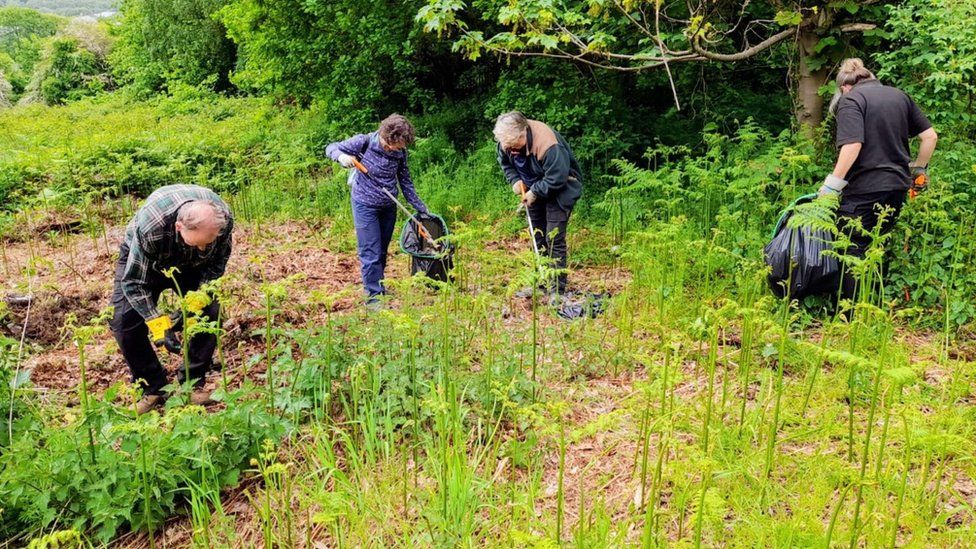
x=182 y=226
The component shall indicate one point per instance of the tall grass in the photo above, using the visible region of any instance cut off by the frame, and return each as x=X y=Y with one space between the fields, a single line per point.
x=695 y=411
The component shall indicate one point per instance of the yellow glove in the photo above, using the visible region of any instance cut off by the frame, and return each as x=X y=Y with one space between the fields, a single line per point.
x=158 y=326
x=161 y=333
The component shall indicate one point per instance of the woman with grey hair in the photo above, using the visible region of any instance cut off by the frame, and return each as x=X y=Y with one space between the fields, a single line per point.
x=540 y=167
x=384 y=154
x=874 y=170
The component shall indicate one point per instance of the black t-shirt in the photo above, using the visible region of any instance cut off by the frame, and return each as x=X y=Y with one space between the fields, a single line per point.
x=882 y=119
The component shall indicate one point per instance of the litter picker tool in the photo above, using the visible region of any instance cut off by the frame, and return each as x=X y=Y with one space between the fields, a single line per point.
x=420 y=226
x=535 y=245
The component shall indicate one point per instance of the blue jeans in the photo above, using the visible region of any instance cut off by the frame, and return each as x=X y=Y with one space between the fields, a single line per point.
x=374 y=230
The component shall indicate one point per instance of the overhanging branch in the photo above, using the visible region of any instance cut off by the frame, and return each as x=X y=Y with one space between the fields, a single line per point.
x=746 y=53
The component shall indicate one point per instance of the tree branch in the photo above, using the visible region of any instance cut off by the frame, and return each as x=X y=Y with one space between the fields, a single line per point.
x=857 y=27
x=746 y=53
x=646 y=63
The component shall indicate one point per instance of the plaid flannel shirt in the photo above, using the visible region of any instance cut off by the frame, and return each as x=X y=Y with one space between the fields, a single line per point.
x=155 y=245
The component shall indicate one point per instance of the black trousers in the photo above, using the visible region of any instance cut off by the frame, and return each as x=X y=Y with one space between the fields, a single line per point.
x=867 y=208
x=132 y=334
x=549 y=222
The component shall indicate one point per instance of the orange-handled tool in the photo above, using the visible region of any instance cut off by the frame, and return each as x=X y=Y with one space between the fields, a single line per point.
x=920 y=180
x=420 y=226
x=919 y=184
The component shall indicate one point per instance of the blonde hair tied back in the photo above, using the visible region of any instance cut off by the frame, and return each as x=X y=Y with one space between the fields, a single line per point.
x=851 y=72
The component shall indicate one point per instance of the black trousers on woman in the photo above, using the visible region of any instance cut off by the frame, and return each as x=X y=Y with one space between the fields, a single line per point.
x=868 y=208
x=550 y=222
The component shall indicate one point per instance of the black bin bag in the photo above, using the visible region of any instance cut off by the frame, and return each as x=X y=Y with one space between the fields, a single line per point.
x=434 y=261
x=799 y=267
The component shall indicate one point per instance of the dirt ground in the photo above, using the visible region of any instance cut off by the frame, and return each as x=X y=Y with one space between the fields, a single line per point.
x=74 y=277
x=45 y=281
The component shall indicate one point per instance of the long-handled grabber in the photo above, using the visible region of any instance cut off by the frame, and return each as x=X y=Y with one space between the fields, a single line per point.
x=535 y=245
x=420 y=226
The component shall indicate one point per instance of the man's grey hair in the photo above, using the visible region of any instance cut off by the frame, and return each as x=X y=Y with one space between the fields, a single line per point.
x=196 y=213
x=509 y=127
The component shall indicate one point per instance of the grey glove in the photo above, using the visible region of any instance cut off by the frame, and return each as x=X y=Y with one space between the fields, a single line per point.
x=346 y=161
x=832 y=185
x=519 y=188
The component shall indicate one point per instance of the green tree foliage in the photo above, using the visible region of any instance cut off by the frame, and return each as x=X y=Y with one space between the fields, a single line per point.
x=70 y=73
x=629 y=35
x=934 y=59
x=73 y=64
x=640 y=35
x=362 y=58
x=166 y=41
x=18 y=23
x=22 y=32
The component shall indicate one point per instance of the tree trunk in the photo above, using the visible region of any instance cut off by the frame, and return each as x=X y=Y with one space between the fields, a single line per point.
x=810 y=105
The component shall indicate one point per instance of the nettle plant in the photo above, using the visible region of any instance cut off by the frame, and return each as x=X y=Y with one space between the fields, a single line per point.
x=104 y=471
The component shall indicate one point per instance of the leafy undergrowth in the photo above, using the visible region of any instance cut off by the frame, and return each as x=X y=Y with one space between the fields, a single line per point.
x=697 y=410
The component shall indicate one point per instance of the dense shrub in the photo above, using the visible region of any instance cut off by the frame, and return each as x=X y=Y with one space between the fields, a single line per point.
x=161 y=42
x=22 y=32
x=55 y=475
x=933 y=59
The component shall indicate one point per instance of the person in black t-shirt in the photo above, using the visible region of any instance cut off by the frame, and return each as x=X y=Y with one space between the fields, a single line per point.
x=874 y=170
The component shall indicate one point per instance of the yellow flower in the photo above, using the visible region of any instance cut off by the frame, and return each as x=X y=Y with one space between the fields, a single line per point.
x=195 y=301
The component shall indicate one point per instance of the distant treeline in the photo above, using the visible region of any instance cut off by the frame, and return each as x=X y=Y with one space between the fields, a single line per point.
x=66 y=8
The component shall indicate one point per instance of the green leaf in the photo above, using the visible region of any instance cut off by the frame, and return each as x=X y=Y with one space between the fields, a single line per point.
x=901 y=376
x=825 y=42
x=788 y=18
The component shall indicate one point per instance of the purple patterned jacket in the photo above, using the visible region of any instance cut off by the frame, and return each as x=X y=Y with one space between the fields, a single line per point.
x=386 y=169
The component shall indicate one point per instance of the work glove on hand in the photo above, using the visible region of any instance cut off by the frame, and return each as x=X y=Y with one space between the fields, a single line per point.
x=519 y=188
x=528 y=198
x=832 y=185
x=920 y=180
x=346 y=161
x=162 y=335
x=176 y=318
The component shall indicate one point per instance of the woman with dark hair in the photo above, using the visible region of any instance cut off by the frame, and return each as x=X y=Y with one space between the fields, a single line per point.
x=874 y=170
x=384 y=154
